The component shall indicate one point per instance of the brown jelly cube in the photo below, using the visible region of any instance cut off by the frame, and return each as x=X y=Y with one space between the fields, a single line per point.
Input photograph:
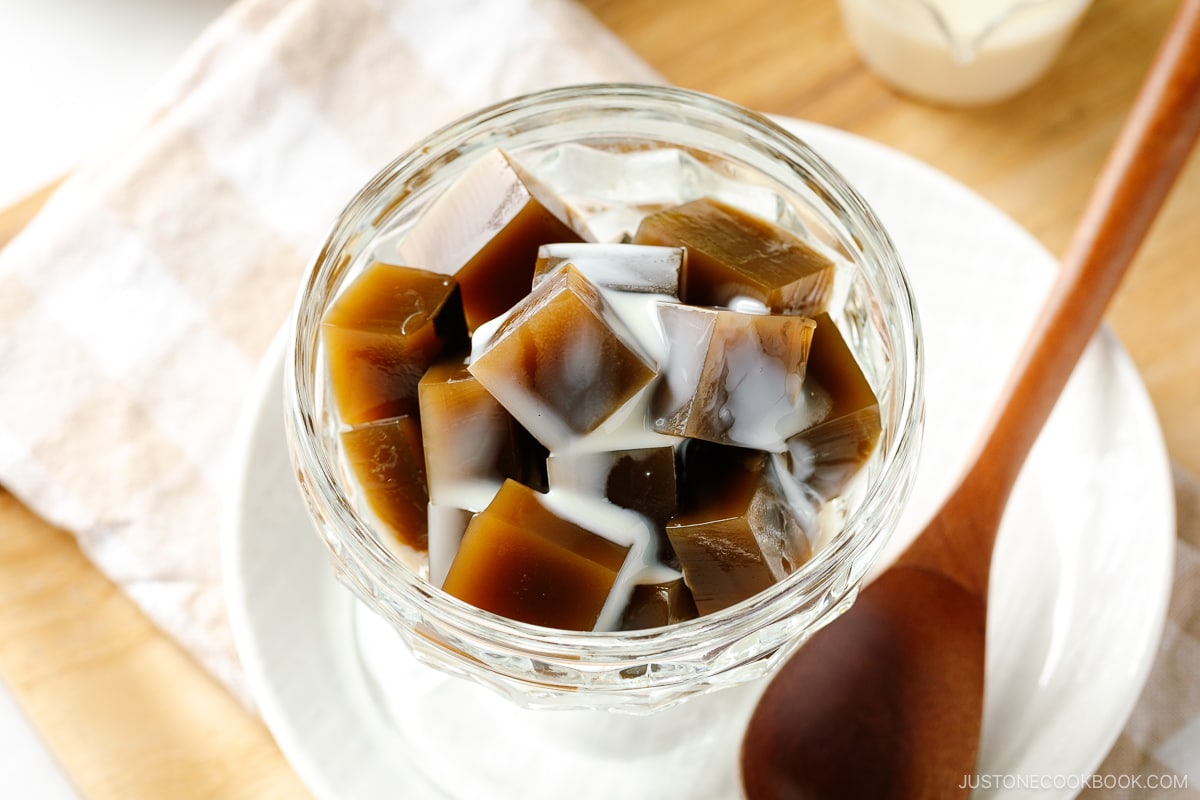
x=561 y=362
x=731 y=377
x=641 y=480
x=381 y=334
x=722 y=562
x=388 y=464
x=632 y=278
x=471 y=442
x=485 y=231
x=644 y=269
x=828 y=454
x=736 y=533
x=520 y=560
x=732 y=255
x=652 y=605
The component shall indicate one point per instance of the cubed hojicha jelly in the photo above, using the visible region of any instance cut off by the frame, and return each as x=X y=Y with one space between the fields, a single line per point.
x=732 y=255
x=509 y=401
x=722 y=562
x=641 y=480
x=828 y=454
x=472 y=444
x=634 y=279
x=652 y=605
x=387 y=460
x=737 y=532
x=521 y=560
x=486 y=231
x=642 y=269
x=731 y=377
x=382 y=333
x=560 y=362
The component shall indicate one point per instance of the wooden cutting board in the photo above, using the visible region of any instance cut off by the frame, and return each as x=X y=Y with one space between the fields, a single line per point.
x=130 y=716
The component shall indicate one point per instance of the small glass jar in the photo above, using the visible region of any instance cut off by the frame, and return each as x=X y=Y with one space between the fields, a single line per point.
x=960 y=53
x=614 y=152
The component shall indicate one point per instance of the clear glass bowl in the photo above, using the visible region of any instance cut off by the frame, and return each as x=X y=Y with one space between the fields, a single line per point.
x=614 y=152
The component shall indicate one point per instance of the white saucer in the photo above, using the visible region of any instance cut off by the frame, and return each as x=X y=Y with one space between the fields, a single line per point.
x=1080 y=582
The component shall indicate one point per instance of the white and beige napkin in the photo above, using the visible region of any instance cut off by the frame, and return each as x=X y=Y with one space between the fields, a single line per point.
x=134 y=309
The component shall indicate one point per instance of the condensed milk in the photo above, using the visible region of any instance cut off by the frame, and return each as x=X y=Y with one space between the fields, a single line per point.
x=960 y=52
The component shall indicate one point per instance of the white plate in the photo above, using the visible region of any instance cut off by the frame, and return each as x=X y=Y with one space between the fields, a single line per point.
x=1080 y=582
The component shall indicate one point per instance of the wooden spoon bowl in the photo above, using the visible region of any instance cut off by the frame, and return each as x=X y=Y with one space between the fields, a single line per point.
x=887 y=701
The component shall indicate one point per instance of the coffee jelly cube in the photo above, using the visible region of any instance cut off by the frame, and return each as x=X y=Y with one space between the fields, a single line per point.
x=388 y=464
x=828 y=454
x=521 y=560
x=485 y=231
x=731 y=377
x=632 y=278
x=561 y=362
x=737 y=533
x=652 y=605
x=641 y=480
x=471 y=442
x=381 y=334
x=733 y=255
x=643 y=269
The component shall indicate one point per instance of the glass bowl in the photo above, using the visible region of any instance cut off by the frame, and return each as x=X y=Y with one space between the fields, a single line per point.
x=615 y=152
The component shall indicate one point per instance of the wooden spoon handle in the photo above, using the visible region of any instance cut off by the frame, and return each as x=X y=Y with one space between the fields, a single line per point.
x=1149 y=153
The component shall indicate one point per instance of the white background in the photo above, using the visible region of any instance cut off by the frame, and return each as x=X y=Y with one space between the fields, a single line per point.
x=74 y=73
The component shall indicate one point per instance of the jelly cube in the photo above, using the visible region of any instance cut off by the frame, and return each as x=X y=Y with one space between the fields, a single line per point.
x=620 y=267
x=722 y=562
x=733 y=255
x=485 y=231
x=632 y=278
x=471 y=442
x=520 y=560
x=381 y=334
x=387 y=461
x=652 y=605
x=737 y=532
x=731 y=377
x=828 y=454
x=641 y=480
x=561 y=361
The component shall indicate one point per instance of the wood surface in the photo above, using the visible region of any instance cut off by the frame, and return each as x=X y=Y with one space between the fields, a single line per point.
x=887 y=701
x=130 y=716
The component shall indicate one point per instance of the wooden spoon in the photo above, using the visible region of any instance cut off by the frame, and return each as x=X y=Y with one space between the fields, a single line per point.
x=887 y=701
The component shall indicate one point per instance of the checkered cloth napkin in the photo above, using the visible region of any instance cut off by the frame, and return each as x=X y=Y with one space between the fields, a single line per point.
x=134 y=309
